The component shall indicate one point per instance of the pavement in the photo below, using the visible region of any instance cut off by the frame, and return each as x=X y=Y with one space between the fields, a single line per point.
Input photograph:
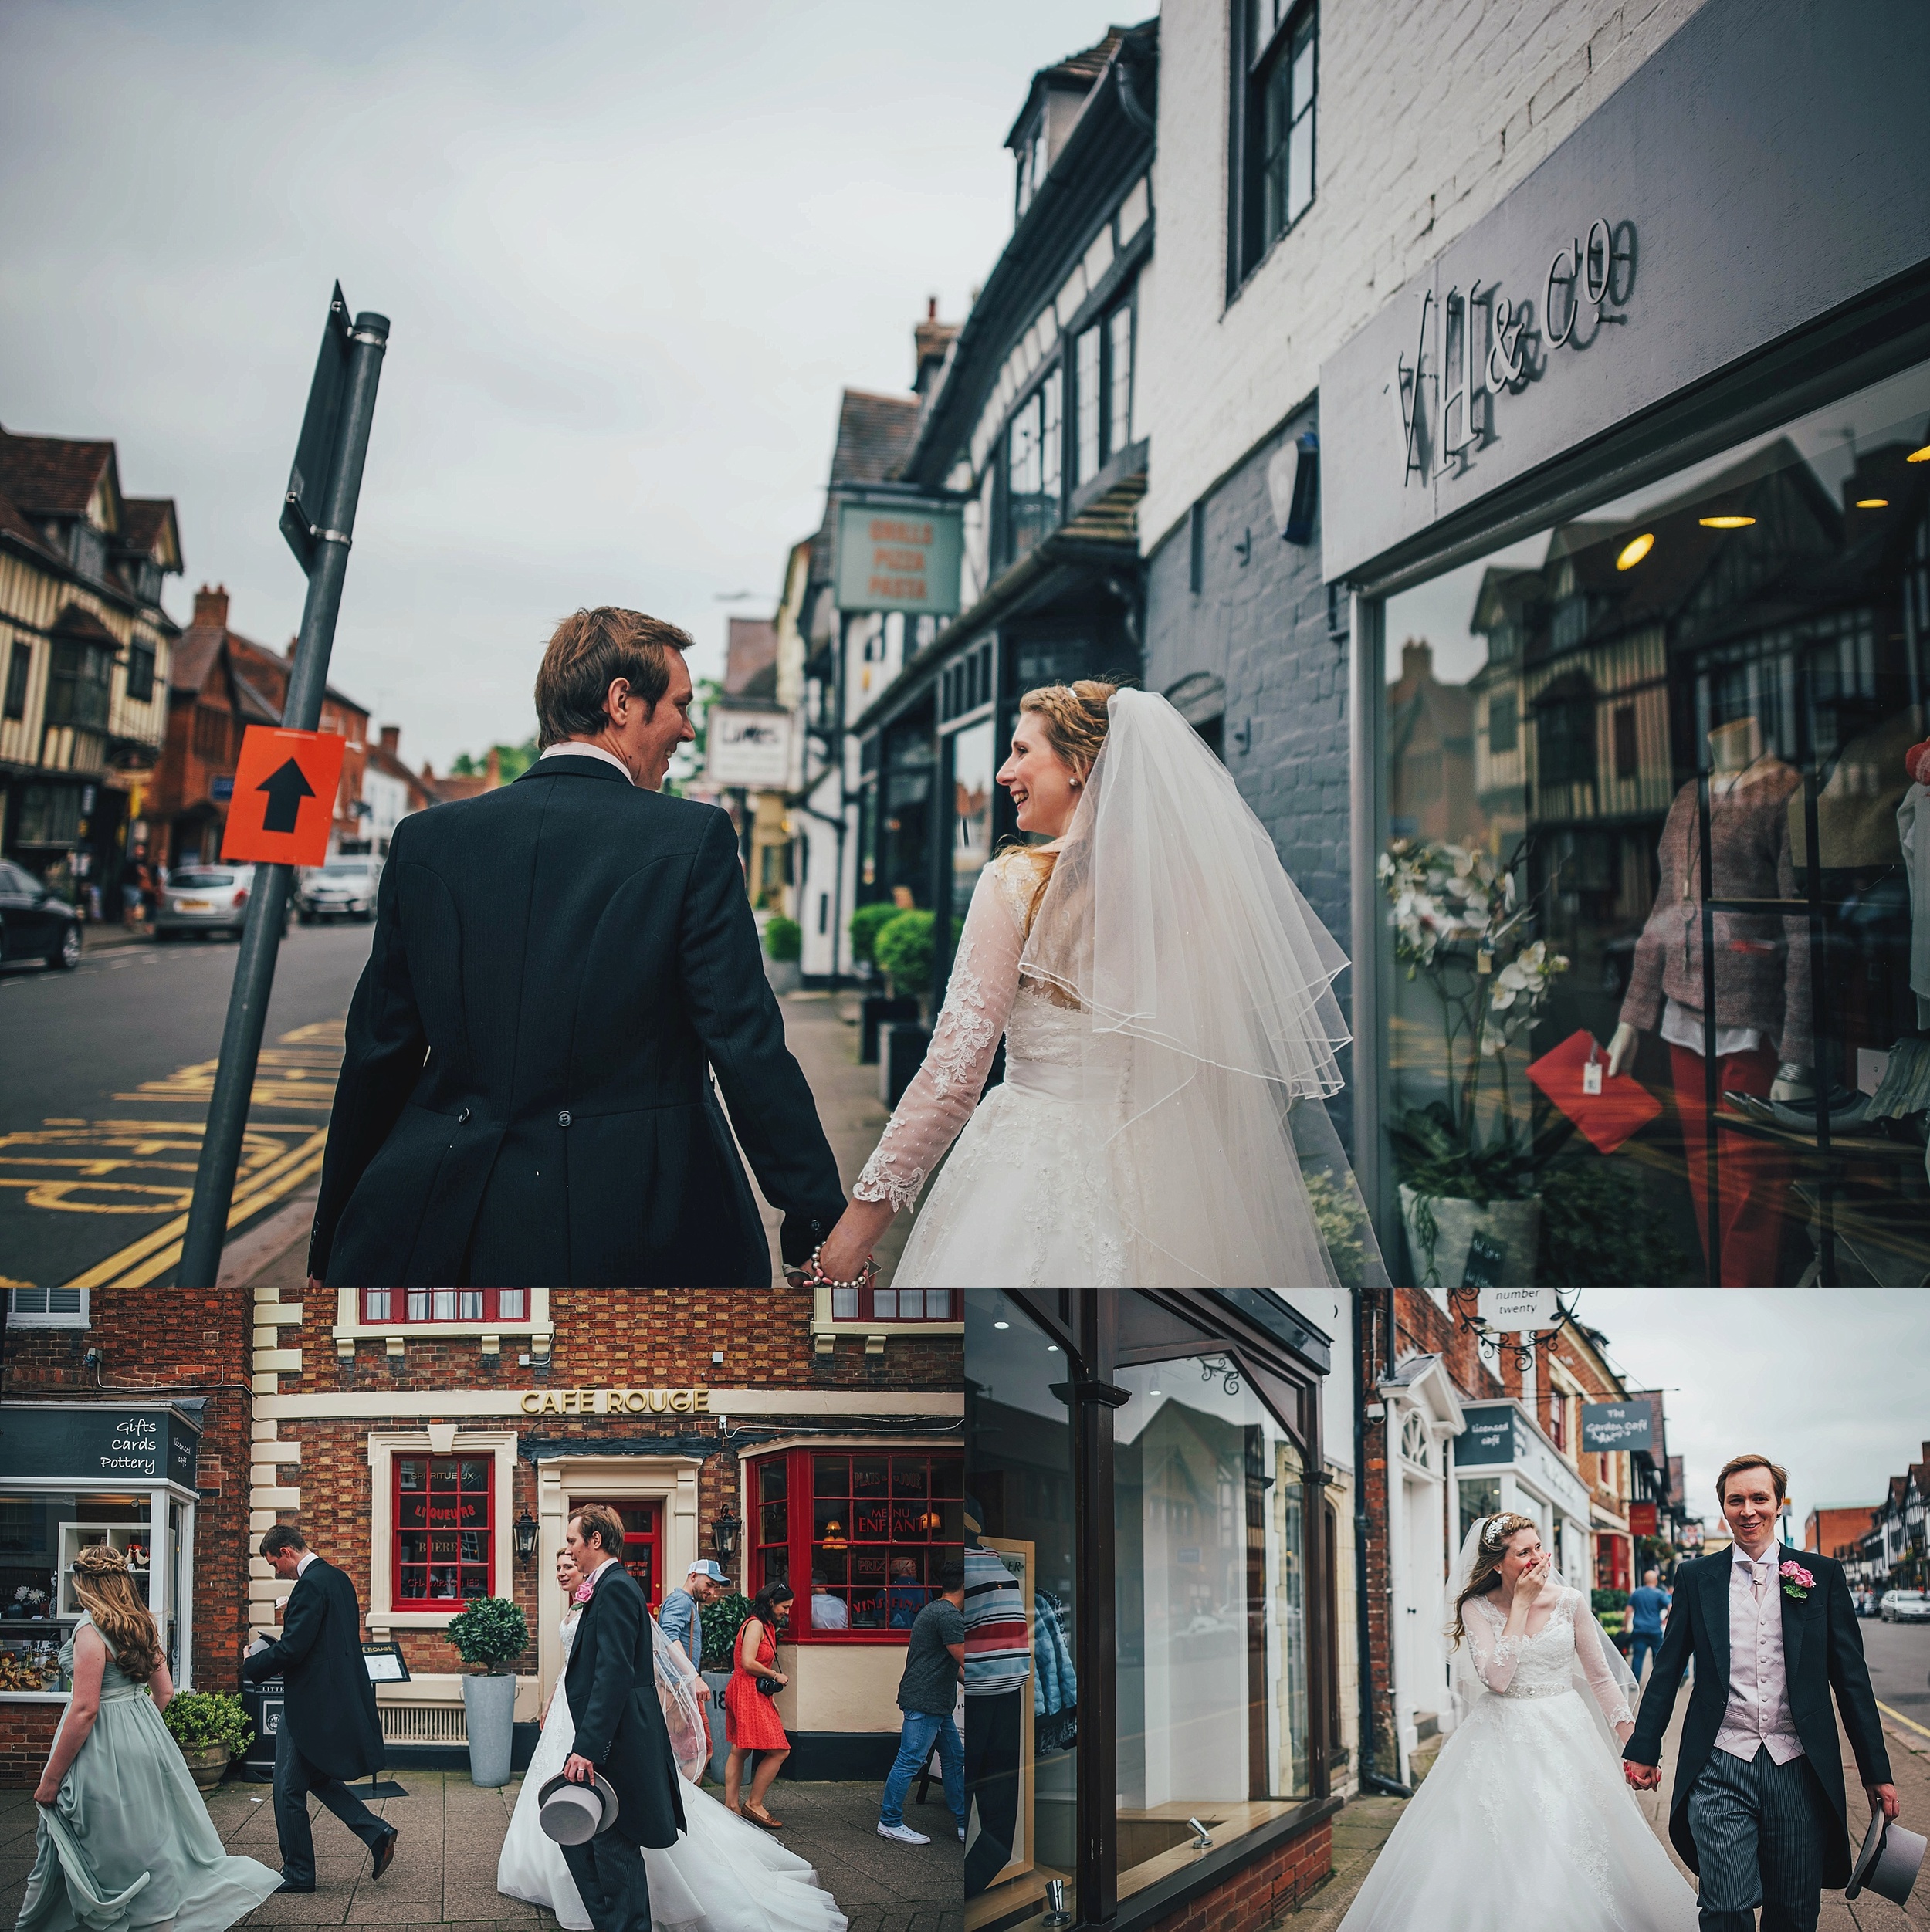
x=444 y=1874
x=1364 y=1826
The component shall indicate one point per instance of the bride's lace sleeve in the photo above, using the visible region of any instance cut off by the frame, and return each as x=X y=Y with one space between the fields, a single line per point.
x=1601 y=1679
x=942 y=1092
x=1496 y=1653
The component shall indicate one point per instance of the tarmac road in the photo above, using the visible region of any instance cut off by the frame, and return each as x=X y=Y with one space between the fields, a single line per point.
x=1899 y=1654
x=105 y=1077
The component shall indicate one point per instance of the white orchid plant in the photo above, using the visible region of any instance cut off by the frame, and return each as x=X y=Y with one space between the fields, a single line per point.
x=1461 y=924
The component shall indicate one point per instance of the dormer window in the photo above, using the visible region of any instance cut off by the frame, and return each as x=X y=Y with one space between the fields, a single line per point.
x=1032 y=164
x=88 y=550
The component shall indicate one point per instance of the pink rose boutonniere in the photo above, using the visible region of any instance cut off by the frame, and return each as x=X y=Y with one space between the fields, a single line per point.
x=583 y=1591
x=1797 y=1582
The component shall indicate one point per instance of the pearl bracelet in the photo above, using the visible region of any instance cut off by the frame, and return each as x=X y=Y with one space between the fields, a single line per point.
x=815 y=1277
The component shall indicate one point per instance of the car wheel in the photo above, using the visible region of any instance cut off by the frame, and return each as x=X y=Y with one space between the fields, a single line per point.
x=306 y=917
x=66 y=955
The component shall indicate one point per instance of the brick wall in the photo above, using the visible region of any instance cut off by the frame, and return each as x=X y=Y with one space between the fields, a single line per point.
x=1486 y=89
x=1273 y=1883
x=26 y=1736
x=155 y=1347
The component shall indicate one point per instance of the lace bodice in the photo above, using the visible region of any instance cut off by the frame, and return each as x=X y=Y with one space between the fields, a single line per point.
x=1542 y=1665
x=566 y=1630
x=982 y=1002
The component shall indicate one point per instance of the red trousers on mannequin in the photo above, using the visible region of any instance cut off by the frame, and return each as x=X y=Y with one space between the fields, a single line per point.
x=1752 y=1175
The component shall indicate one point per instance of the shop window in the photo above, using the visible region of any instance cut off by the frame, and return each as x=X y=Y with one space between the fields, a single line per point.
x=47 y=1307
x=1278 y=47
x=400 y=1305
x=895 y=1305
x=1733 y=660
x=859 y=1535
x=1209 y=1518
x=19 y=667
x=1024 y=1736
x=444 y=1554
x=48 y=815
x=1480 y=1496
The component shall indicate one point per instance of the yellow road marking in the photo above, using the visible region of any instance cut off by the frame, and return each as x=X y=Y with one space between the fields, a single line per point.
x=1901 y=1718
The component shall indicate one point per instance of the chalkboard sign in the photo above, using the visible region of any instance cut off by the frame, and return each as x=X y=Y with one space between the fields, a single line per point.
x=1489 y=1437
x=99 y=1442
x=1486 y=1259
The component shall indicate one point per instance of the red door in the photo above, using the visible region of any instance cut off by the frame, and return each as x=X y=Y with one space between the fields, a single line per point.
x=642 y=1547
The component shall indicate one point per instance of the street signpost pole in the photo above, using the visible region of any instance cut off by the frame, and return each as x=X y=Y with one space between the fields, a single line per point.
x=319 y=519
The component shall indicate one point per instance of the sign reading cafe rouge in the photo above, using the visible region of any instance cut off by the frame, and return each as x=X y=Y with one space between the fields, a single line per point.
x=899 y=556
x=1474 y=345
x=616 y=1402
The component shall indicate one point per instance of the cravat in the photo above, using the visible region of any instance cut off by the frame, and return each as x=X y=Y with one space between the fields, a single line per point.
x=1755 y=1581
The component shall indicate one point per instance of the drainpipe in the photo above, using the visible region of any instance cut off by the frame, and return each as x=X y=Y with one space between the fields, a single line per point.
x=1369 y=1780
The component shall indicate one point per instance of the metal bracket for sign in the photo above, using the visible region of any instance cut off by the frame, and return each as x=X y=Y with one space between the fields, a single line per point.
x=1492 y=1348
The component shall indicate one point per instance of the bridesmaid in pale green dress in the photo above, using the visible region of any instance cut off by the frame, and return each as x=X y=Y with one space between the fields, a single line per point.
x=125 y=1840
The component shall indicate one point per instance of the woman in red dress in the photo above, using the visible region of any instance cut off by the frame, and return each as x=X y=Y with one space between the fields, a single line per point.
x=754 y=1723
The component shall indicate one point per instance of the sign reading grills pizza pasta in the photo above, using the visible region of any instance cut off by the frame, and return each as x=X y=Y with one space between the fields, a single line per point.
x=901 y=556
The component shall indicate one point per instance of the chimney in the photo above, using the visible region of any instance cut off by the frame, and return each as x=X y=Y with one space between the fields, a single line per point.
x=1417 y=661
x=391 y=740
x=931 y=339
x=210 y=607
x=493 y=771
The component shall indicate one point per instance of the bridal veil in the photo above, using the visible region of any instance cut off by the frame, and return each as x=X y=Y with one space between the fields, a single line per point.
x=1170 y=919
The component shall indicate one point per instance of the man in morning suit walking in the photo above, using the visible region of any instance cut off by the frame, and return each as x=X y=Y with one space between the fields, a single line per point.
x=1758 y=1811
x=329 y=1730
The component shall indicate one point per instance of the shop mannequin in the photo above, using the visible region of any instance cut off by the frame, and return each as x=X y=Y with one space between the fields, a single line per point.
x=1762 y=973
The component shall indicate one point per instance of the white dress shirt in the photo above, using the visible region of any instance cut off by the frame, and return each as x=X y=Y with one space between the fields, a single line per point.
x=571 y=748
x=1758 y=1716
x=302 y=1563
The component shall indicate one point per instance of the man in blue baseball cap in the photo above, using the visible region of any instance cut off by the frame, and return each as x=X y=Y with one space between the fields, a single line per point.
x=678 y=1618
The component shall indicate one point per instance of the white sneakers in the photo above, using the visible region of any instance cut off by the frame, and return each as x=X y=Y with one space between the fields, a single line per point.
x=903 y=1834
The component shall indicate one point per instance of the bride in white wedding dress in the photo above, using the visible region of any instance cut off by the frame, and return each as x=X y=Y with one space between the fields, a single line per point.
x=722 y=1875
x=1525 y=1807
x=1165 y=995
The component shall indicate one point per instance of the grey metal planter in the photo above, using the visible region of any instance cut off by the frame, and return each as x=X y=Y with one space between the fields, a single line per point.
x=719 y=1741
x=488 y=1711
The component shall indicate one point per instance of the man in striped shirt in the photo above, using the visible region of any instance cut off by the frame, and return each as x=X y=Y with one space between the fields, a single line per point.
x=998 y=1665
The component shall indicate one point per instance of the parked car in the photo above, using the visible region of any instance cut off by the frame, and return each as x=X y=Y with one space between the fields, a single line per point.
x=1905 y=1606
x=205 y=898
x=34 y=923
x=345 y=888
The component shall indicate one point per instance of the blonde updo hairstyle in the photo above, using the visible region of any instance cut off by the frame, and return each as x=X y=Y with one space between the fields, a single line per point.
x=106 y=1589
x=1074 y=717
x=1485 y=1577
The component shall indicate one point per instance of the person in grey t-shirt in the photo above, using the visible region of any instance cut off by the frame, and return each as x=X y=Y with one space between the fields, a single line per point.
x=678 y=1618
x=927 y=1693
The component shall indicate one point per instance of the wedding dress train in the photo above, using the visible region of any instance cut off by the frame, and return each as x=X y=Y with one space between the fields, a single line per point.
x=722 y=1875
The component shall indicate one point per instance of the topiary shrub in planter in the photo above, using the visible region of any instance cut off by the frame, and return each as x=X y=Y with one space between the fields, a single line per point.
x=783 y=938
x=210 y=1727
x=903 y=951
x=492 y=1633
x=866 y=923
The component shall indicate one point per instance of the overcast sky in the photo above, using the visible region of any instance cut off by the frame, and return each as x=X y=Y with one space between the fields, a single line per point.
x=1830 y=1383
x=631 y=253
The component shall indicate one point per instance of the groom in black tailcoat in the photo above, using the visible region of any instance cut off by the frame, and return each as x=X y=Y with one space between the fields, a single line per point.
x=330 y=1731
x=564 y=973
x=1758 y=1811
x=612 y=1687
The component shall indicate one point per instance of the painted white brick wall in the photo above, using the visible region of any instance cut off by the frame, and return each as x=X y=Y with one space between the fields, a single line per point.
x=1430 y=111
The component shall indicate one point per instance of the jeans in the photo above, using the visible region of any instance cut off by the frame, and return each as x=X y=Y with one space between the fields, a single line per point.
x=993 y=1736
x=295 y=1778
x=921 y=1731
x=1642 y=1647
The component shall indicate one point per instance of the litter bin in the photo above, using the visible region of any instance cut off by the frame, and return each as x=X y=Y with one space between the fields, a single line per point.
x=262 y=1703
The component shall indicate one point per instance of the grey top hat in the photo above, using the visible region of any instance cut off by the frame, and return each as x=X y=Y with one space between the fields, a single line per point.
x=1887 y=1864
x=574 y=1814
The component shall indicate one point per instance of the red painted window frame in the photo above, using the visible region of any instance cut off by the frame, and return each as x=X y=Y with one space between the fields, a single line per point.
x=492 y=1306
x=798 y=1540
x=866 y=1299
x=400 y=1599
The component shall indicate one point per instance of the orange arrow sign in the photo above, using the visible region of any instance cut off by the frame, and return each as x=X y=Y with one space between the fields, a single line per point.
x=284 y=801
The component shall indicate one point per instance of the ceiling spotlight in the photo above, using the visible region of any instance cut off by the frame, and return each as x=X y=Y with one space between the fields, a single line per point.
x=1635 y=550
x=1873 y=502
x=1725 y=522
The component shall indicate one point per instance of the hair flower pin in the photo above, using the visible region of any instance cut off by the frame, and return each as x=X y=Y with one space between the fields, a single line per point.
x=1797 y=1582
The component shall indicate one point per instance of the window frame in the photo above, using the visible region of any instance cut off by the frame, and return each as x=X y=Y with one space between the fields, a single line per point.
x=798 y=1455
x=141 y=659
x=80 y=685
x=19 y=677
x=489 y=1313
x=350 y=1328
x=18 y=1318
x=382 y=1446
x=1251 y=71
x=456 y=1604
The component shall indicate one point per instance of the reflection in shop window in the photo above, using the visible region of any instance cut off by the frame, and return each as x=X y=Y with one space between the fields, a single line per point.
x=1480 y=1497
x=1720 y=676
x=1209 y=1505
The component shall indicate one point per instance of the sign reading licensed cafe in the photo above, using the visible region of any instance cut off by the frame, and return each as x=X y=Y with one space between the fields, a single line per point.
x=616 y=1402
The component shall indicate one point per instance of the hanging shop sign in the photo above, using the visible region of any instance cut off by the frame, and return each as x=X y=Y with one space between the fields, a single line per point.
x=1641 y=1519
x=1607 y=1425
x=1492 y=1436
x=899 y=556
x=616 y=1402
x=1519 y=1311
x=747 y=745
x=96 y=1442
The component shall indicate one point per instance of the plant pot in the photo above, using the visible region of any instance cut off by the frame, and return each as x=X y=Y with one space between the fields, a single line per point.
x=719 y=1741
x=785 y=975
x=1514 y=1225
x=207 y=1763
x=488 y=1711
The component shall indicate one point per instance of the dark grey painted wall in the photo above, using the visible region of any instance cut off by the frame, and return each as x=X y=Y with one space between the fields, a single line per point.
x=1262 y=626
x=1771 y=162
